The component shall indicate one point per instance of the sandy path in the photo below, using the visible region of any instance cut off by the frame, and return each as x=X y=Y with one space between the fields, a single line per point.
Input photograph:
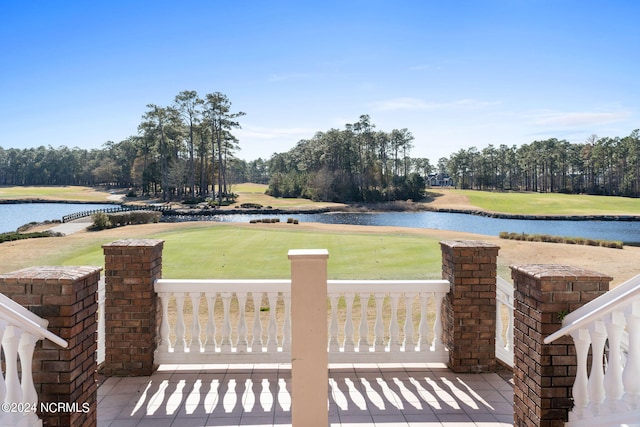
x=451 y=201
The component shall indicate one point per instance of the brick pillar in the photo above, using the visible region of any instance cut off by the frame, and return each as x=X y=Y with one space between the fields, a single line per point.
x=131 y=306
x=469 y=309
x=66 y=297
x=544 y=373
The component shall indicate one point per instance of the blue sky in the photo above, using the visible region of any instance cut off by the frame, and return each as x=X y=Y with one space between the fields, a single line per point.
x=455 y=73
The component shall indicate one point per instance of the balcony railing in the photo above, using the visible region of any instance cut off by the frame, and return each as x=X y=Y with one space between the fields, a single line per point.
x=504 y=321
x=19 y=331
x=249 y=321
x=608 y=392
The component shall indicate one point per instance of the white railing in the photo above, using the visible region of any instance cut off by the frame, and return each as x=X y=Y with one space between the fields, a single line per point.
x=19 y=331
x=609 y=392
x=100 y=347
x=504 y=321
x=248 y=321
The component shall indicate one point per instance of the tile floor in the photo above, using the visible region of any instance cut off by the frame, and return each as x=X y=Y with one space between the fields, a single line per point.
x=407 y=395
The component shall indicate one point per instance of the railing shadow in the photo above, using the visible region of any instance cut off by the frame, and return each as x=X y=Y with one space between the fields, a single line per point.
x=360 y=395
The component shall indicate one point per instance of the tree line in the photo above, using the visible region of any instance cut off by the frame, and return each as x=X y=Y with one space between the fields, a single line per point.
x=183 y=150
x=604 y=166
x=357 y=163
x=187 y=150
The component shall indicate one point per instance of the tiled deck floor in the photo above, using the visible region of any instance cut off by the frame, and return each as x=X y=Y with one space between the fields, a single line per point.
x=259 y=395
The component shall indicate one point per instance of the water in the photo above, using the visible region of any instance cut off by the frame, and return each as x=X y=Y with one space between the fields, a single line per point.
x=626 y=231
x=13 y=216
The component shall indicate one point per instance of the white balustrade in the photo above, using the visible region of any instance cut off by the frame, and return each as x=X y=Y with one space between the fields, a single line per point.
x=20 y=330
x=248 y=321
x=607 y=392
x=100 y=351
x=504 y=321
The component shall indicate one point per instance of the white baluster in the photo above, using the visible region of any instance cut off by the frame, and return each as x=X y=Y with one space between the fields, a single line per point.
x=272 y=339
x=423 y=327
x=196 y=342
x=25 y=350
x=349 y=344
x=595 y=384
x=333 y=325
x=631 y=371
x=379 y=325
x=256 y=341
x=286 y=328
x=363 y=330
x=210 y=343
x=10 y=343
x=101 y=344
x=438 y=344
x=582 y=341
x=242 y=322
x=225 y=344
x=499 y=326
x=3 y=387
x=613 y=386
x=181 y=343
x=509 y=344
x=164 y=345
x=394 y=328
x=409 y=343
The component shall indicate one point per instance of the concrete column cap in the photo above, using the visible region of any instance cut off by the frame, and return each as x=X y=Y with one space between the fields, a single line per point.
x=308 y=253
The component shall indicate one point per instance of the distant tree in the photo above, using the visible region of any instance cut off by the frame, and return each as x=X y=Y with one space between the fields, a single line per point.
x=189 y=105
x=161 y=124
x=220 y=120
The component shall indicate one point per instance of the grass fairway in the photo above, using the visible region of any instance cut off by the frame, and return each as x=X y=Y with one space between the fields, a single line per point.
x=548 y=203
x=231 y=251
x=63 y=192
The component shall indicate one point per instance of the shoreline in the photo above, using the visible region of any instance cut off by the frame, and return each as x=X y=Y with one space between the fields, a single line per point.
x=356 y=208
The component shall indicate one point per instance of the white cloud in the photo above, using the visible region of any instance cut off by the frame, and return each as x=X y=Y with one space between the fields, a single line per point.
x=422 y=67
x=396 y=104
x=558 y=118
x=290 y=76
x=260 y=132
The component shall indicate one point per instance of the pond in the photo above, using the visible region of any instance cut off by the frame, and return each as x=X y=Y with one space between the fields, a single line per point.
x=13 y=216
x=626 y=231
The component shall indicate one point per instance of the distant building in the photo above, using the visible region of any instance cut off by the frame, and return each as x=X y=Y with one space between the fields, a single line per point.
x=440 y=180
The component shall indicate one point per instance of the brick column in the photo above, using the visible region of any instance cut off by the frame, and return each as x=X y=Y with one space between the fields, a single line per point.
x=66 y=297
x=131 y=306
x=469 y=309
x=544 y=374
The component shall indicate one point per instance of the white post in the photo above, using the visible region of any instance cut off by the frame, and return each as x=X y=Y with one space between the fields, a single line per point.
x=309 y=357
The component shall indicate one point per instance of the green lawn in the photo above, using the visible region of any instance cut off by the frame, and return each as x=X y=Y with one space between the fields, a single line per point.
x=228 y=251
x=62 y=192
x=551 y=203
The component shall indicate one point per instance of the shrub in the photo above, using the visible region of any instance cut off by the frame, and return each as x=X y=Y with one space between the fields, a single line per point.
x=557 y=239
x=101 y=221
x=9 y=237
x=144 y=217
x=251 y=206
